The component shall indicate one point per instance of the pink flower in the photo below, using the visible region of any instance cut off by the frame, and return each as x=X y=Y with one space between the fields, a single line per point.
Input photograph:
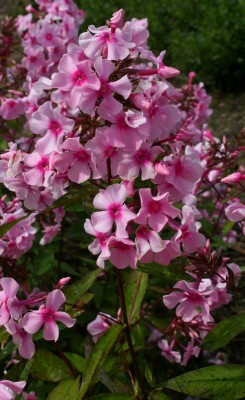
x=168 y=353
x=75 y=161
x=142 y=159
x=154 y=210
x=123 y=253
x=99 y=326
x=8 y=389
x=235 y=212
x=47 y=316
x=21 y=338
x=188 y=233
x=74 y=78
x=111 y=200
x=7 y=296
x=190 y=299
x=147 y=240
x=49 y=122
x=100 y=245
x=39 y=170
x=234 y=178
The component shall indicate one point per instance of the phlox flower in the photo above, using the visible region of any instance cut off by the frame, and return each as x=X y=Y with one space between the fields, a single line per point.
x=21 y=338
x=155 y=210
x=8 y=389
x=47 y=315
x=189 y=299
x=7 y=296
x=111 y=201
x=146 y=240
x=168 y=352
x=99 y=326
x=188 y=233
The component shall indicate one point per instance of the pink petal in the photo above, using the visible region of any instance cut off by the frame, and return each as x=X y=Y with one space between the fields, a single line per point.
x=51 y=331
x=64 y=318
x=32 y=322
x=55 y=300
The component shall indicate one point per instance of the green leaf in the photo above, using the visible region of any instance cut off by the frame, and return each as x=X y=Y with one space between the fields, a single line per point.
x=112 y=396
x=224 y=332
x=223 y=382
x=135 y=289
x=98 y=356
x=158 y=395
x=25 y=374
x=65 y=390
x=4 y=228
x=77 y=361
x=48 y=367
x=74 y=292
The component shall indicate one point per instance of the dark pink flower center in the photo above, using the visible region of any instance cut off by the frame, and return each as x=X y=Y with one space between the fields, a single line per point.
x=142 y=156
x=82 y=156
x=154 y=207
x=115 y=210
x=43 y=163
x=55 y=127
x=78 y=78
x=178 y=167
x=49 y=36
x=48 y=315
x=143 y=231
x=194 y=297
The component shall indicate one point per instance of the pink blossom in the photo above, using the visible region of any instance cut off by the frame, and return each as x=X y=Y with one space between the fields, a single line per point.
x=7 y=295
x=48 y=315
x=190 y=299
x=147 y=240
x=75 y=161
x=168 y=352
x=234 y=178
x=100 y=245
x=235 y=212
x=155 y=210
x=123 y=253
x=111 y=201
x=188 y=233
x=8 y=389
x=99 y=326
x=141 y=159
x=21 y=338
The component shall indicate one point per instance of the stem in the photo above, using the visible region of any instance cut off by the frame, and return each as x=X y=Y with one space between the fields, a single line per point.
x=128 y=335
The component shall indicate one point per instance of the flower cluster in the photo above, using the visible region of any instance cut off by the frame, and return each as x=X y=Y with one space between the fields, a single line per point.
x=22 y=321
x=104 y=111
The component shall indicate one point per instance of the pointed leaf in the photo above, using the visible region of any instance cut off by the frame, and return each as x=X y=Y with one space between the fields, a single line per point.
x=135 y=289
x=65 y=390
x=74 y=292
x=224 y=382
x=98 y=356
x=48 y=367
x=224 y=332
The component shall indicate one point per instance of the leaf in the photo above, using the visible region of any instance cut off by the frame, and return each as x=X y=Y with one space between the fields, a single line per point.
x=158 y=395
x=224 y=332
x=65 y=390
x=135 y=289
x=112 y=396
x=74 y=292
x=4 y=228
x=224 y=382
x=98 y=356
x=25 y=374
x=77 y=361
x=48 y=367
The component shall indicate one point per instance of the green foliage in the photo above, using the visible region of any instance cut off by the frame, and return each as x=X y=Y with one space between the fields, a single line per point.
x=224 y=332
x=135 y=289
x=98 y=357
x=204 y=36
x=65 y=390
x=48 y=367
x=224 y=382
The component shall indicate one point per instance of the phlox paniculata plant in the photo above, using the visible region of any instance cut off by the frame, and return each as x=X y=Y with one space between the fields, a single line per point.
x=105 y=113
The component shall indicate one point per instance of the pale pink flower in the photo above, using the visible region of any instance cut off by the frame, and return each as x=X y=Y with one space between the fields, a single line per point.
x=7 y=295
x=21 y=338
x=234 y=178
x=146 y=240
x=100 y=245
x=123 y=253
x=75 y=161
x=39 y=170
x=8 y=389
x=48 y=315
x=111 y=201
x=99 y=326
x=155 y=210
x=188 y=233
x=235 y=212
x=168 y=353
x=189 y=299
x=142 y=159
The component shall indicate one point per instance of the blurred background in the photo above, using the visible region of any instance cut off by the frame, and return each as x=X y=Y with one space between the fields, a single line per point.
x=205 y=36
